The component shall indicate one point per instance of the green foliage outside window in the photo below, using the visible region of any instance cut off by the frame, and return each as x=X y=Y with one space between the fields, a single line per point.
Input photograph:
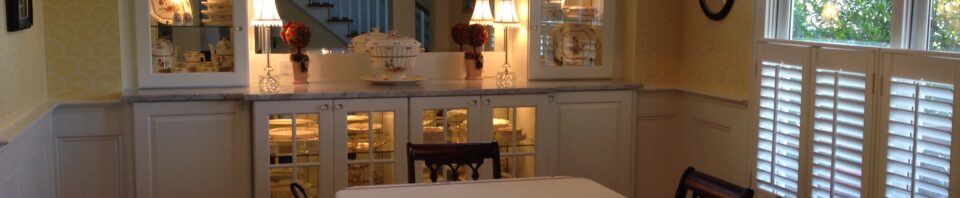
x=945 y=25
x=858 y=22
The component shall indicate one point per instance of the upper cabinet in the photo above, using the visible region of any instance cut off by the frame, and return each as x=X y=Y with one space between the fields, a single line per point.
x=191 y=43
x=571 y=39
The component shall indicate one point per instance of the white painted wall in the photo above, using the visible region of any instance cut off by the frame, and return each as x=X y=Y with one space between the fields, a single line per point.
x=677 y=129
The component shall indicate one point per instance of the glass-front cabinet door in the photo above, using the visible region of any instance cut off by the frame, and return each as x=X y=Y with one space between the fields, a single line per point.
x=517 y=123
x=293 y=145
x=191 y=43
x=370 y=142
x=571 y=39
x=446 y=120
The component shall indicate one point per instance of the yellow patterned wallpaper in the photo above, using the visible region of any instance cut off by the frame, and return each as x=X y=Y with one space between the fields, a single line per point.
x=83 y=49
x=22 y=79
x=676 y=46
x=651 y=55
x=716 y=54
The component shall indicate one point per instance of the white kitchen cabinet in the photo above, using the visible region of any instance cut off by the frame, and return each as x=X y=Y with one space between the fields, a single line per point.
x=596 y=137
x=572 y=39
x=328 y=145
x=192 y=149
x=513 y=121
x=209 y=49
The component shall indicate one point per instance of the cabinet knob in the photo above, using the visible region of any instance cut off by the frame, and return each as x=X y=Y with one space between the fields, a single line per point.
x=551 y=98
x=338 y=107
x=239 y=28
x=473 y=103
x=486 y=102
x=324 y=107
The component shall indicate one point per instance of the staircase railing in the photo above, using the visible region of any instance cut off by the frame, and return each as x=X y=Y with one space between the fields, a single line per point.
x=363 y=15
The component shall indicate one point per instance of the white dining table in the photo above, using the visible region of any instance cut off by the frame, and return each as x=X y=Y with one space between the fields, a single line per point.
x=552 y=187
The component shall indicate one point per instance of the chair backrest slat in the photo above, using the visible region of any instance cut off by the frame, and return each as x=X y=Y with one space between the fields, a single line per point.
x=453 y=156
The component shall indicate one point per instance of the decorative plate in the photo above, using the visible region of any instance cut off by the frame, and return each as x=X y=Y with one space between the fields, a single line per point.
x=575 y=45
x=163 y=10
x=410 y=80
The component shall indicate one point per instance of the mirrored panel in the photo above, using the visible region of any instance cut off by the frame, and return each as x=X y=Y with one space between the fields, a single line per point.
x=334 y=23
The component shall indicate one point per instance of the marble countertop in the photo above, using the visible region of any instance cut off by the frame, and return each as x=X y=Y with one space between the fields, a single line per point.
x=363 y=89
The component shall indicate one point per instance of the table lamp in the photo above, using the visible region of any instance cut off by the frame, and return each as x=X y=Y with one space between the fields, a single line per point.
x=266 y=16
x=508 y=19
x=481 y=13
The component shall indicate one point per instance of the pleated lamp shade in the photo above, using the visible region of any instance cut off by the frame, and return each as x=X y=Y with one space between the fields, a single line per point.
x=481 y=13
x=265 y=14
x=507 y=14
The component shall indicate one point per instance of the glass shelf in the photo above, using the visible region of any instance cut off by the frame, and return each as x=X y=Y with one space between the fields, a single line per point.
x=574 y=21
x=191 y=26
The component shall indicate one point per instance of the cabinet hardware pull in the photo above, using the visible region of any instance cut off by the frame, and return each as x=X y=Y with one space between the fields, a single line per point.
x=473 y=103
x=243 y=106
x=551 y=98
x=239 y=28
x=325 y=107
x=486 y=102
x=339 y=106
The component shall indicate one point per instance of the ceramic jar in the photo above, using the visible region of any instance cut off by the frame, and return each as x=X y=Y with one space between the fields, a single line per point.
x=221 y=55
x=393 y=56
x=163 y=55
x=359 y=43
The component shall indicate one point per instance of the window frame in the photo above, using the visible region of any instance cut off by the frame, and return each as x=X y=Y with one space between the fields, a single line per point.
x=910 y=24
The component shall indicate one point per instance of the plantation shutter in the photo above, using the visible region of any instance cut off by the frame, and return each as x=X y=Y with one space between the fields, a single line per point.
x=779 y=146
x=920 y=126
x=839 y=121
x=780 y=118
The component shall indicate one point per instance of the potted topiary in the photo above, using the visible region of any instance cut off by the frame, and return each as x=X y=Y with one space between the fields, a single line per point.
x=475 y=36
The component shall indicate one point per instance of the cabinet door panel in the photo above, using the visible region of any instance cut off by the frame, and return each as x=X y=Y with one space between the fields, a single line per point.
x=192 y=149
x=277 y=140
x=440 y=120
x=596 y=137
x=370 y=141
x=519 y=124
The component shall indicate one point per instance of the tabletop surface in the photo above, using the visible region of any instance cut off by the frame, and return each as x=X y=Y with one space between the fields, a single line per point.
x=554 y=187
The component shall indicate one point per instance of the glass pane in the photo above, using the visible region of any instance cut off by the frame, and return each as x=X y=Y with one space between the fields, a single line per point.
x=572 y=33
x=518 y=166
x=945 y=25
x=191 y=36
x=515 y=129
x=280 y=179
x=445 y=126
x=382 y=136
x=363 y=174
x=358 y=132
x=854 y=22
x=285 y=135
x=307 y=177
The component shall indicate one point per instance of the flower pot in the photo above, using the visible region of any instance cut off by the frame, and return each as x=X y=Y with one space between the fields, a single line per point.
x=474 y=68
x=299 y=74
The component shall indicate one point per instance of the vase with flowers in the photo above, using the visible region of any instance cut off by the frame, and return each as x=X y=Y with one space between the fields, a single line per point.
x=475 y=36
x=297 y=36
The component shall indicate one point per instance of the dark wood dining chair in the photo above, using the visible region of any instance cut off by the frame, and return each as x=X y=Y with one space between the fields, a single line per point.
x=703 y=185
x=453 y=156
x=297 y=190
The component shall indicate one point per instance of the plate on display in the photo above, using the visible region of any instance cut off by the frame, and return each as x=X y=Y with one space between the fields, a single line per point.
x=410 y=80
x=163 y=10
x=575 y=45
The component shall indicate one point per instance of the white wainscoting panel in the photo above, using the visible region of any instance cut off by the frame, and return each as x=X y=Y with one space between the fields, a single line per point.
x=89 y=154
x=677 y=129
x=26 y=163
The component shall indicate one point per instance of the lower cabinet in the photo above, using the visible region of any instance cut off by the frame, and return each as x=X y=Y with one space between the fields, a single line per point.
x=202 y=149
x=596 y=137
x=192 y=149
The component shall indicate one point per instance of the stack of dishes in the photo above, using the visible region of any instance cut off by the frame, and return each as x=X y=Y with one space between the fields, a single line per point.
x=218 y=12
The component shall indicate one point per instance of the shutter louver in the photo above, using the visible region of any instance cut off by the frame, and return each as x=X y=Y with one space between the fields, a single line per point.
x=779 y=135
x=921 y=121
x=838 y=127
